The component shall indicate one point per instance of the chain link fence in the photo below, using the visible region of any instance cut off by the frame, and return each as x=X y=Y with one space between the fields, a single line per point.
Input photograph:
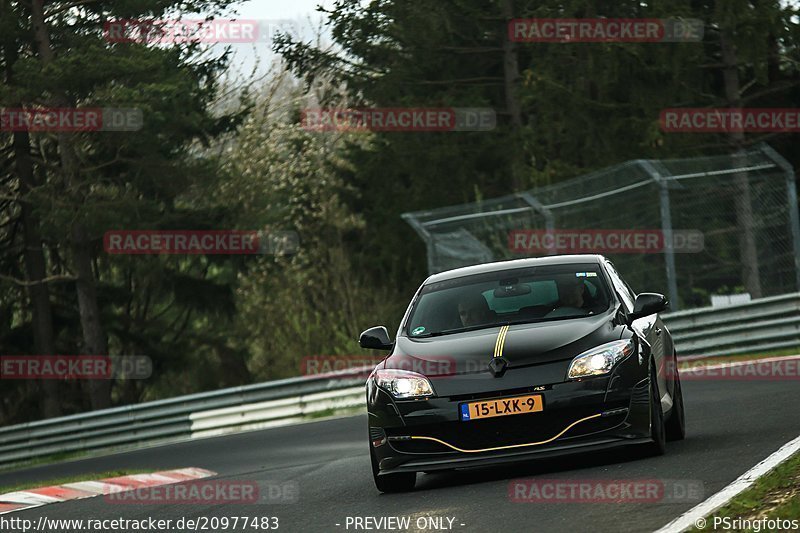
x=718 y=225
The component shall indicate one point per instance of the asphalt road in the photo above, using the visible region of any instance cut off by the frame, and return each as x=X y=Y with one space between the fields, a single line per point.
x=731 y=427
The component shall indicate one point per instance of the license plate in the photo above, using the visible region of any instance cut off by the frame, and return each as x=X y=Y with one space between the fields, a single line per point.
x=518 y=405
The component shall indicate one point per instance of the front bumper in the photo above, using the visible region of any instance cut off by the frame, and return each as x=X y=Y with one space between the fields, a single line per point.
x=578 y=416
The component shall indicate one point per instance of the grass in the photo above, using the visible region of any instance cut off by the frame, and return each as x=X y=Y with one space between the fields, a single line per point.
x=39 y=461
x=775 y=495
x=71 y=479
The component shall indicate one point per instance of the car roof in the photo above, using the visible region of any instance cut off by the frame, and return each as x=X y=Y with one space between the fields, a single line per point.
x=516 y=263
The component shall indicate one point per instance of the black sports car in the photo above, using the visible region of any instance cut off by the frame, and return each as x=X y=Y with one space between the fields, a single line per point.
x=506 y=361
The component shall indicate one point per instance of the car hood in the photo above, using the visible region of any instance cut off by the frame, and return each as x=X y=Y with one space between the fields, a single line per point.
x=524 y=345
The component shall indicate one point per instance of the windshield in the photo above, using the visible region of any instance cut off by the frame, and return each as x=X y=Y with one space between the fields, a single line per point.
x=534 y=294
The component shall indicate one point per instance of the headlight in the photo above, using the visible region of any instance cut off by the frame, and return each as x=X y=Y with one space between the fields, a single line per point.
x=403 y=383
x=600 y=360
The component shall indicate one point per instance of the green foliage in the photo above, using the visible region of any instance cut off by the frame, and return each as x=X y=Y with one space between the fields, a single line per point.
x=314 y=302
x=150 y=305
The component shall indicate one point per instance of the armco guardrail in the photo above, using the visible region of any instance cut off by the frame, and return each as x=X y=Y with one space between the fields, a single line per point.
x=185 y=417
x=758 y=325
x=763 y=324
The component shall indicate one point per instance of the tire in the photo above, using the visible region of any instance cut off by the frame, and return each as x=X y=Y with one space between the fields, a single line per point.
x=676 y=424
x=657 y=429
x=402 y=482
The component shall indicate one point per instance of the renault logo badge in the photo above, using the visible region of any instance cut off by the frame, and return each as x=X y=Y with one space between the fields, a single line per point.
x=498 y=366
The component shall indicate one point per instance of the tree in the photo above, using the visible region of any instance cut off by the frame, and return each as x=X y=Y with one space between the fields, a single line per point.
x=70 y=188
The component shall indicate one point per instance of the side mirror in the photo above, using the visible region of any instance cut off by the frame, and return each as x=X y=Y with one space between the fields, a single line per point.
x=646 y=304
x=376 y=338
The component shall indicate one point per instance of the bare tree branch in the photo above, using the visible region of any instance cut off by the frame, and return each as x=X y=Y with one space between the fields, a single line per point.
x=49 y=279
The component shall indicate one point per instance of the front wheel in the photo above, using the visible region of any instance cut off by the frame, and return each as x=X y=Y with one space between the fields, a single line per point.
x=657 y=429
x=676 y=425
x=402 y=482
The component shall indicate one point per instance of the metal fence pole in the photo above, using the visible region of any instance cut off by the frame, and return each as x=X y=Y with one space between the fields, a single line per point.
x=666 y=230
x=549 y=220
x=430 y=246
x=669 y=252
x=791 y=193
x=794 y=223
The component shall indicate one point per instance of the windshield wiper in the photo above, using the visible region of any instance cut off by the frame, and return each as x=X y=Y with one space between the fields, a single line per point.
x=498 y=325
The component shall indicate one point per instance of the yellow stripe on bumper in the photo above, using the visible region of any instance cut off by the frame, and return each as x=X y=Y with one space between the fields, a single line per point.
x=507 y=447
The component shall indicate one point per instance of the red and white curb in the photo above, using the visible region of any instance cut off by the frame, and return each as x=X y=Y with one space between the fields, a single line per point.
x=30 y=498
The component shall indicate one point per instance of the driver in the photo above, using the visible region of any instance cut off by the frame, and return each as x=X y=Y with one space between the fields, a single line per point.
x=473 y=310
x=571 y=298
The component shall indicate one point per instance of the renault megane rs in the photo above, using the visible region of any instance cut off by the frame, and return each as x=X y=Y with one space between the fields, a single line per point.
x=508 y=361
